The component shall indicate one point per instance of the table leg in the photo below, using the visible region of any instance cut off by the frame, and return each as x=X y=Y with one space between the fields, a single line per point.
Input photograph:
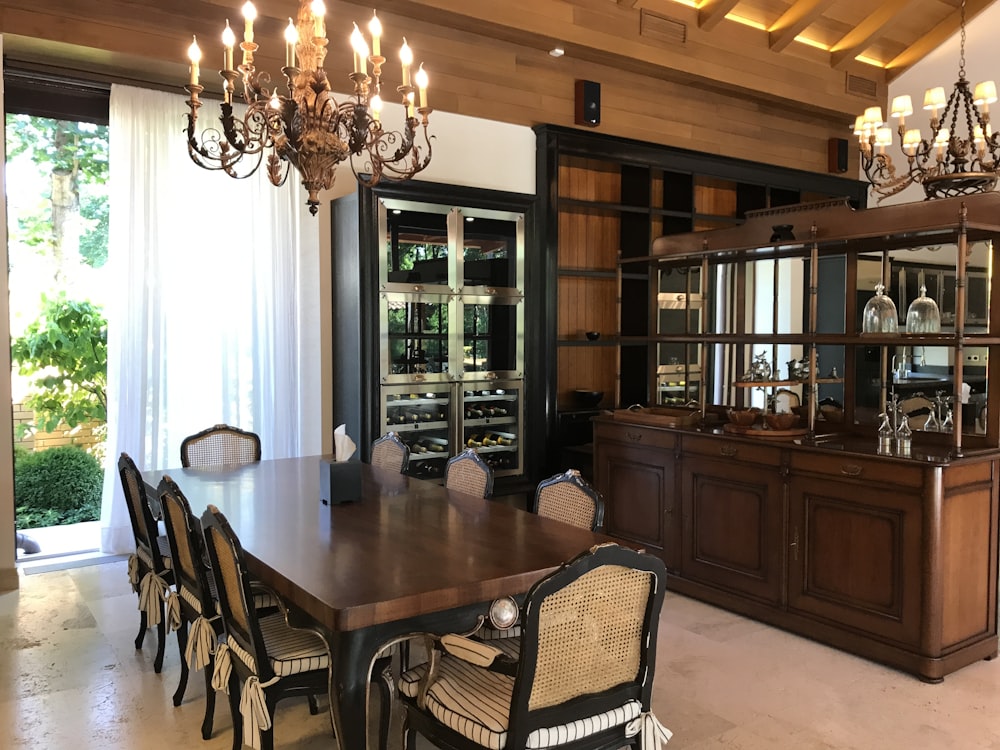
x=353 y=652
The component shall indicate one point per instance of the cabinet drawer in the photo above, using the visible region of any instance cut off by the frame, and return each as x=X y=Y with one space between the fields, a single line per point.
x=862 y=469
x=646 y=437
x=734 y=450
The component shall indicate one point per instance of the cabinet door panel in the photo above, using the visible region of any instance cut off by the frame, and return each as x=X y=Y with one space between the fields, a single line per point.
x=733 y=526
x=637 y=485
x=856 y=556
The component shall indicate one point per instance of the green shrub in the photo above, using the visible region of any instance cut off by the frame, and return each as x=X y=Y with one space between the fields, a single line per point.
x=56 y=486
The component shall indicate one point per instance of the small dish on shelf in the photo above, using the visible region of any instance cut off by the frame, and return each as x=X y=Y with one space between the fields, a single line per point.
x=592 y=335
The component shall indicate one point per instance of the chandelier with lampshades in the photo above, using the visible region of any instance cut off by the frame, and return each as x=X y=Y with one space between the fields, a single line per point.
x=960 y=156
x=299 y=123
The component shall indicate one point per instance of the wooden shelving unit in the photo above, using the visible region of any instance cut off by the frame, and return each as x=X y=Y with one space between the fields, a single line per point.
x=605 y=199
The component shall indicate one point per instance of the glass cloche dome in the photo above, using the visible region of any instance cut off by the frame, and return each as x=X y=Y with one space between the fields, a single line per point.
x=923 y=315
x=880 y=313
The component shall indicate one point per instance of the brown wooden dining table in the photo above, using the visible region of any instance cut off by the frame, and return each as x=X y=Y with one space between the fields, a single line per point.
x=409 y=556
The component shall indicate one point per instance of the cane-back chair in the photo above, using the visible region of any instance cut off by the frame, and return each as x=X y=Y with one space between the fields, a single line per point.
x=468 y=473
x=220 y=445
x=262 y=659
x=150 y=566
x=584 y=677
x=194 y=598
x=568 y=498
x=389 y=452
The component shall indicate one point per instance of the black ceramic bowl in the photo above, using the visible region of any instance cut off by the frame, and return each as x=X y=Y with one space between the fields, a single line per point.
x=588 y=398
x=593 y=335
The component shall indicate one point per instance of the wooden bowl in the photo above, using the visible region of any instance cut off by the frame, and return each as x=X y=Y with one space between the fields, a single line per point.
x=743 y=417
x=832 y=413
x=783 y=421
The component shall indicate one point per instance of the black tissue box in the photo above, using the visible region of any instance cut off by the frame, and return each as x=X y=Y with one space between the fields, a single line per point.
x=339 y=481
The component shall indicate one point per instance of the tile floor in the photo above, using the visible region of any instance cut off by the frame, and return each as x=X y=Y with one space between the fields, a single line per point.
x=70 y=678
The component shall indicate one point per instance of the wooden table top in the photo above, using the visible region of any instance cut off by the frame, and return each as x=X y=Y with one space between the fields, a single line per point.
x=408 y=547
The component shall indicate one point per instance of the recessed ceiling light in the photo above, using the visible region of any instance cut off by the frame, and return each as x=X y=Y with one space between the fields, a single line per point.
x=557 y=52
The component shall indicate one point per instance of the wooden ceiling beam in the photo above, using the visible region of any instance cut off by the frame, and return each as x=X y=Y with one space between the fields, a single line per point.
x=861 y=36
x=794 y=21
x=711 y=12
x=934 y=38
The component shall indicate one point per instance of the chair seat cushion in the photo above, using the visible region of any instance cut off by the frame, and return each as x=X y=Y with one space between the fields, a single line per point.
x=476 y=703
x=290 y=651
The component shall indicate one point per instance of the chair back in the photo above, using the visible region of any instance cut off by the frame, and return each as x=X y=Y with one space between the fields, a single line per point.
x=187 y=547
x=220 y=445
x=232 y=581
x=468 y=473
x=568 y=498
x=588 y=642
x=140 y=514
x=389 y=452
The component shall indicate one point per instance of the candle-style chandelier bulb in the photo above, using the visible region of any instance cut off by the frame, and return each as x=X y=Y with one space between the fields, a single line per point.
x=301 y=124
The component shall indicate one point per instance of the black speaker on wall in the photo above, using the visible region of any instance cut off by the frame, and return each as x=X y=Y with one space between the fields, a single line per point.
x=837 y=155
x=588 y=103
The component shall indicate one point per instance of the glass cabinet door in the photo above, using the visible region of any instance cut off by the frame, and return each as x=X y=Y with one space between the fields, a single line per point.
x=492 y=251
x=491 y=423
x=422 y=417
x=415 y=337
x=492 y=336
x=418 y=247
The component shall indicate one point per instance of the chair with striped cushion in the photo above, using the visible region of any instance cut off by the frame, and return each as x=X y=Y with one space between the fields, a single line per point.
x=468 y=473
x=220 y=445
x=195 y=598
x=389 y=452
x=261 y=659
x=568 y=498
x=584 y=677
x=150 y=566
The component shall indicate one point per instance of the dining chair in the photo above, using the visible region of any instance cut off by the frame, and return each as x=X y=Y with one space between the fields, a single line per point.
x=468 y=473
x=150 y=566
x=262 y=659
x=220 y=445
x=584 y=676
x=568 y=498
x=195 y=600
x=389 y=452
x=196 y=596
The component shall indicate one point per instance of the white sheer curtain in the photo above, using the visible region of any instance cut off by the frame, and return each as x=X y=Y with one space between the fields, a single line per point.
x=215 y=284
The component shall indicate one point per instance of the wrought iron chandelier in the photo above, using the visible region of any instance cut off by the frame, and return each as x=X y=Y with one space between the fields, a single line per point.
x=302 y=125
x=946 y=164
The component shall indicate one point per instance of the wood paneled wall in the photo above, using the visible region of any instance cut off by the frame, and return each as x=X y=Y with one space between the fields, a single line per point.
x=717 y=93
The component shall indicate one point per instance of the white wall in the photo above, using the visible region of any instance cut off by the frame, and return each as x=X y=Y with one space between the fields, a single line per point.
x=940 y=68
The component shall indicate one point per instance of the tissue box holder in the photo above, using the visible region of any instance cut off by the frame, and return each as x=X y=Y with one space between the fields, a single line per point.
x=339 y=482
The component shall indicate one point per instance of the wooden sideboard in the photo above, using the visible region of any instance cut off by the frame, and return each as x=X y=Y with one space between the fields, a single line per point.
x=890 y=558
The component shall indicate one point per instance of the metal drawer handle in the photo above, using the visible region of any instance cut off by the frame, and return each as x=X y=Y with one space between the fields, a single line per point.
x=729 y=450
x=851 y=470
x=635 y=437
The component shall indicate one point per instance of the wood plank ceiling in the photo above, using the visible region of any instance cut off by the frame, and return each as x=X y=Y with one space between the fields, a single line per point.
x=770 y=80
